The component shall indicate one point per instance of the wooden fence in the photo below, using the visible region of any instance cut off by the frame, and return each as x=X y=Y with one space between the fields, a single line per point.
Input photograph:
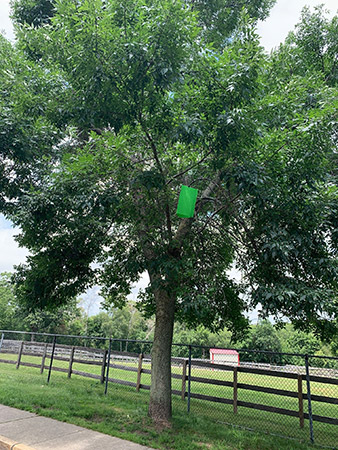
x=281 y=392
x=98 y=357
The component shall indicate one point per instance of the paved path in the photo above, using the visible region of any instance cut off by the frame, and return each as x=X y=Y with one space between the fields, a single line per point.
x=20 y=430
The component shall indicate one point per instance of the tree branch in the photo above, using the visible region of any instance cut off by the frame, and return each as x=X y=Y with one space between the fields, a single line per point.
x=185 y=224
x=189 y=168
x=218 y=210
x=249 y=234
x=147 y=246
x=155 y=153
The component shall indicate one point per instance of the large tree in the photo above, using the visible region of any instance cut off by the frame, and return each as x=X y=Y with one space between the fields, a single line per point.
x=157 y=94
x=31 y=122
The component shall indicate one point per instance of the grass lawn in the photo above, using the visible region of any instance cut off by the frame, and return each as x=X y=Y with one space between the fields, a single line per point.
x=122 y=412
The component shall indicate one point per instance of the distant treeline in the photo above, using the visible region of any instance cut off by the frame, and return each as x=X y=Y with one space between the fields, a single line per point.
x=129 y=324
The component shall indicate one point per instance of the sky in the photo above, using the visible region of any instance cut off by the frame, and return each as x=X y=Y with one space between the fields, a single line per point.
x=283 y=17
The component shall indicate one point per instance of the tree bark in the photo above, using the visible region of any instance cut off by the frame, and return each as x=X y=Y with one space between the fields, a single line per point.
x=160 y=391
x=165 y=297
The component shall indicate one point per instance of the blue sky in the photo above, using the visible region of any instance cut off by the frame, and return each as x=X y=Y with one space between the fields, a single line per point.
x=4 y=223
x=283 y=17
x=10 y=253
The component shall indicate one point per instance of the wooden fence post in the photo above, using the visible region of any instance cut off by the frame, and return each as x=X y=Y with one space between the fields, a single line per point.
x=19 y=355
x=71 y=359
x=139 y=371
x=103 y=367
x=235 y=390
x=43 y=358
x=300 y=401
x=2 y=340
x=184 y=378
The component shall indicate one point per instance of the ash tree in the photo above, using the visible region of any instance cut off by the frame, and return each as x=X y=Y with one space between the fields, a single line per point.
x=30 y=122
x=157 y=94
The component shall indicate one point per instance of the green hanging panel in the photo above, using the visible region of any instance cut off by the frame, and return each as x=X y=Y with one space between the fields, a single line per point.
x=186 y=202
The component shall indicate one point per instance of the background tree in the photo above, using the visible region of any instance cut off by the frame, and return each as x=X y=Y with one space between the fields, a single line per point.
x=265 y=338
x=7 y=303
x=67 y=319
x=150 y=104
x=314 y=45
x=126 y=323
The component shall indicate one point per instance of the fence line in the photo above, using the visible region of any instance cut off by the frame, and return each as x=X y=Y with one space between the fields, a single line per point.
x=110 y=359
x=184 y=377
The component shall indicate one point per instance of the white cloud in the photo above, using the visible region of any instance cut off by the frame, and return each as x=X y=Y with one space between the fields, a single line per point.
x=5 y=21
x=91 y=301
x=284 y=16
x=141 y=284
x=10 y=253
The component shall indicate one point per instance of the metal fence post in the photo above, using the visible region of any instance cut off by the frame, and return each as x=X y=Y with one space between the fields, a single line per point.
x=103 y=367
x=308 y=391
x=108 y=365
x=2 y=340
x=189 y=378
x=51 y=359
x=42 y=368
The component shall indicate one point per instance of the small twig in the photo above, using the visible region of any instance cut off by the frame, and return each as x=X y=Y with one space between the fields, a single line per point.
x=249 y=234
x=209 y=199
x=189 y=168
x=274 y=153
x=210 y=218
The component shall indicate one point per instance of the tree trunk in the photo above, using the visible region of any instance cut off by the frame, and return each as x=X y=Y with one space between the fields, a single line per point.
x=160 y=391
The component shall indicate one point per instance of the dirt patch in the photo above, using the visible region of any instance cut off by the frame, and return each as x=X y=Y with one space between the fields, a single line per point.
x=162 y=425
x=96 y=418
x=141 y=433
x=202 y=444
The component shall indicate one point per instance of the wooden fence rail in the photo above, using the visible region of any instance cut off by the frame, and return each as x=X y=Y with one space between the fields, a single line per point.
x=24 y=349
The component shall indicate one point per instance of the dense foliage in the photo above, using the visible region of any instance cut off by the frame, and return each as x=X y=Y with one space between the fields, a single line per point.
x=258 y=140
x=130 y=101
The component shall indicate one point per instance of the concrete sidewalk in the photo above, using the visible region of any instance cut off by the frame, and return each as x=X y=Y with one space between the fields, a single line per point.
x=22 y=430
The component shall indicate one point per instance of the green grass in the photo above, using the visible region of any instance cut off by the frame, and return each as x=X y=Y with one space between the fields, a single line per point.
x=122 y=412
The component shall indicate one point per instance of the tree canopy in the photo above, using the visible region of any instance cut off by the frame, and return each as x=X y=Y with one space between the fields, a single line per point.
x=144 y=96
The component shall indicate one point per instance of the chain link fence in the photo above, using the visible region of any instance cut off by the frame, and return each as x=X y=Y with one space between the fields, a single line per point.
x=289 y=395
